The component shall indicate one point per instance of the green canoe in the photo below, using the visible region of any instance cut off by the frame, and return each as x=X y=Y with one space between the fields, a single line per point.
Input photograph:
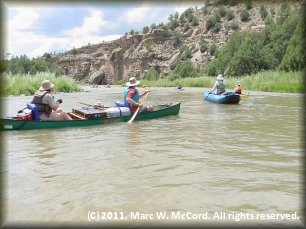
x=9 y=124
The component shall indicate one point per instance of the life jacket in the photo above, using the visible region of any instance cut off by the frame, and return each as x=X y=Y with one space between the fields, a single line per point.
x=238 y=90
x=221 y=87
x=41 y=107
x=135 y=98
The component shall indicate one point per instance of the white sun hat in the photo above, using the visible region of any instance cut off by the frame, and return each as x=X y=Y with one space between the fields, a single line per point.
x=220 y=77
x=132 y=82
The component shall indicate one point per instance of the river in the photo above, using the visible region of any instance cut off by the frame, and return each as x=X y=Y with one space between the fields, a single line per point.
x=212 y=164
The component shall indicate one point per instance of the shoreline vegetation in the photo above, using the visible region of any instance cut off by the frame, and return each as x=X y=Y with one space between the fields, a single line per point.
x=267 y=81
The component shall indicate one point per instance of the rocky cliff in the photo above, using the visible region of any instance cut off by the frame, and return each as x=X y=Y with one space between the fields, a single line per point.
x=134 y=55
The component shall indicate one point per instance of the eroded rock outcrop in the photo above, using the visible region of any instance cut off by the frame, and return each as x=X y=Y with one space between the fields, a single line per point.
x=134 y=55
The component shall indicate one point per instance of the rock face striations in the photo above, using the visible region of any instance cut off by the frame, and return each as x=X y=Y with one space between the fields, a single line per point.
x=134 y=55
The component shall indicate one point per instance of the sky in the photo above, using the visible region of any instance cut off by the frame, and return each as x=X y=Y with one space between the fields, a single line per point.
x=33 y=28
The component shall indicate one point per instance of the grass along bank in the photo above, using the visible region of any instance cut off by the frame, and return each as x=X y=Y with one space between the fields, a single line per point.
x=27 y=84
x=268 y=81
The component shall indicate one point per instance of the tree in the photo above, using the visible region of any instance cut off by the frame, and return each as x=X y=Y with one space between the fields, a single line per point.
x=132 y=32
x=285 y=12
x=153 y=26
x=174 y=63
x=186 y=69
x=47 y=55
x=190 y=17
x=145 y=29
x=213 y=49
x=40 y=65
x=3 y=65
x=54 y=68
x=186 y=27
x=173 y=24
x=182 y=18
x=152 y=74
x=249 y=58
x=226 y=54
x=170 y=18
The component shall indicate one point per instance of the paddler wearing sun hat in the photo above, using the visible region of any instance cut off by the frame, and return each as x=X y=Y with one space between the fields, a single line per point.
x=47 y=108
x=132 y=97
x=219 y=86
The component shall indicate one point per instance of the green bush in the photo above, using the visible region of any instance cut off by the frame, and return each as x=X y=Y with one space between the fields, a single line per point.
x=234 y=25
x=244 y=15
x=222 y=11
x=230 y=15
x=210 y=23
x=152 y=74
x=174 y=63
x=203 y=46
x=217 y=28
x=248 y=4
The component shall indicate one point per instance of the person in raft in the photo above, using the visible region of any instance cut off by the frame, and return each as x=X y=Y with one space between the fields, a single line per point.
x=179 y=87
x=47 y=108
x=238 y=89
x=219 y=86
x=131 y=97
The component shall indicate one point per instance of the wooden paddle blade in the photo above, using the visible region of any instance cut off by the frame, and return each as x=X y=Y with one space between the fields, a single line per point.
x=134 y=116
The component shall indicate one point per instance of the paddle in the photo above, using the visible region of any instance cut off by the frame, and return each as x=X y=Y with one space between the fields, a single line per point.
x=94 y=106
x=223 y=75
x=136 y=112
x=206 y=97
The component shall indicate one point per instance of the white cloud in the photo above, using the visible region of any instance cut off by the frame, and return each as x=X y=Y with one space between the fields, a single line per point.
x=26 y=42
x=25 y=33
x=25 y=19
x=92 y=25
x=136 y=15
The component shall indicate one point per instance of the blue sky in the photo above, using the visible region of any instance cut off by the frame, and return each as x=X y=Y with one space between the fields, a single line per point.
x=35 y=27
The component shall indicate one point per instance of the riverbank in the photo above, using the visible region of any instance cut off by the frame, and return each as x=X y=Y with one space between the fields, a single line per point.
x=27 y=84
x=268 y=81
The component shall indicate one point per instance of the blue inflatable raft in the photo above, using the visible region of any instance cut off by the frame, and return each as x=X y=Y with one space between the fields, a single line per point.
x=229 y=98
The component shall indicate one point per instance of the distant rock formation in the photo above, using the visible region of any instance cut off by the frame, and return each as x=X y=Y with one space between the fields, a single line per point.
x=134 y=55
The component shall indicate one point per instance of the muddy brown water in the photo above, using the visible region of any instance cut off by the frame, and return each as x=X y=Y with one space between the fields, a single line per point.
x=212 y=164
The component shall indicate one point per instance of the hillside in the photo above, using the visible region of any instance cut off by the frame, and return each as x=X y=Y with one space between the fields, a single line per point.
x=134 y=54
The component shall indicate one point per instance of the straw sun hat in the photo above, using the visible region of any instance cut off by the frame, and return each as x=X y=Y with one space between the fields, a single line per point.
x=46 y=85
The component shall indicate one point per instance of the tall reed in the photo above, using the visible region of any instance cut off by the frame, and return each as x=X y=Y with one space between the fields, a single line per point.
x=269 y=81
x=29 y=84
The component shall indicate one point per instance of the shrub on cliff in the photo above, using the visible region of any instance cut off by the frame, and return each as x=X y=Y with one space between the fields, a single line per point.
x=152 y=74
